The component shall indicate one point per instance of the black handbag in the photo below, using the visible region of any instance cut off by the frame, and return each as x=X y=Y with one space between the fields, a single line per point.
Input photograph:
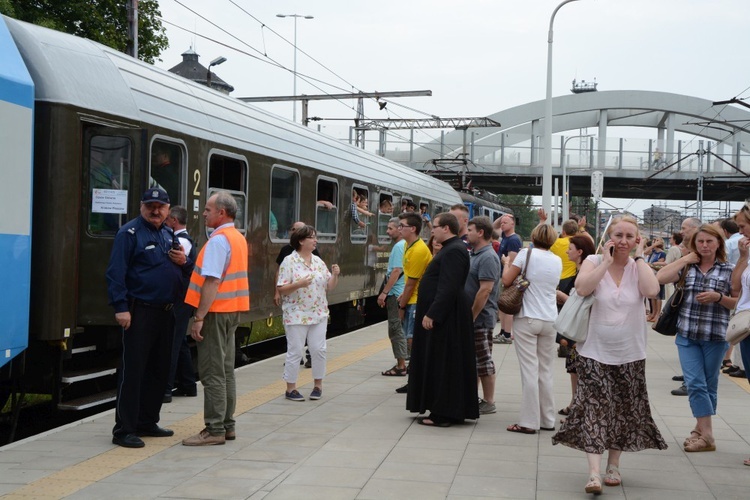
x=666 y=323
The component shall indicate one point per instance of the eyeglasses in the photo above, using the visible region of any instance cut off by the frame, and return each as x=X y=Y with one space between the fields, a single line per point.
x=401 y=226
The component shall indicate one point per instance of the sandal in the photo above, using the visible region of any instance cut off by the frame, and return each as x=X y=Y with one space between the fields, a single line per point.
x=594 y=485
x=433 y=421
x=613 y=477
x=726 y=363
x=565 y=411
x=518 y=428
x=394 y=372
x=694 y=434
x=700 y=444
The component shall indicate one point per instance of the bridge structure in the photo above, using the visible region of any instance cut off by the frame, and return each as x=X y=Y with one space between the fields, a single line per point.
x=699 y=147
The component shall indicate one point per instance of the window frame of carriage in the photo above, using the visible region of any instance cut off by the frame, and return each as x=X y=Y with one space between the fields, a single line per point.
x=284 y=238
x=357 y=238
x=327 y=237
x=240 y=195
x=384 y=217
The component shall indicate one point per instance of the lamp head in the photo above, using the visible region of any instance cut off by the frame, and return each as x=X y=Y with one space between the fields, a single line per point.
x=217 y=61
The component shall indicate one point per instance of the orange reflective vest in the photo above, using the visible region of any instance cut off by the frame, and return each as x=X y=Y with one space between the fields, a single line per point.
x=234 y=291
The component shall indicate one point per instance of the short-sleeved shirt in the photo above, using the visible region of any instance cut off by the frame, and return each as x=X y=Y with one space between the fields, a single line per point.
x=732 y=244
x=416 y=258
x=543 y=273
x=308 y=305
x=485 y=266
x=287 y=250
x=560 y=248
x=705 y=321
x=216 y=255
x=509 y=244
x=396 y=260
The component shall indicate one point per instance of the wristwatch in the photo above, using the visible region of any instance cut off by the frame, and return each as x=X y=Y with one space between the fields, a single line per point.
x=636 y=259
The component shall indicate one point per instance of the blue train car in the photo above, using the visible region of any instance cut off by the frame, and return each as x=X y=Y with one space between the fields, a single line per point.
x=16 y=148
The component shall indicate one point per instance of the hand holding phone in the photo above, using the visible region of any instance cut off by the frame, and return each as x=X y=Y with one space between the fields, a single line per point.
x=612 y=250
x=176 y=244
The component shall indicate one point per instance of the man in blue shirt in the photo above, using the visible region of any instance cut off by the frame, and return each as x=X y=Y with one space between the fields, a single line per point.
x=144 y=281
x=510 y=245
x=388 y=297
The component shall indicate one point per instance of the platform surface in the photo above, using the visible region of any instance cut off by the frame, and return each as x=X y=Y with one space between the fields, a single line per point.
x=358 y=442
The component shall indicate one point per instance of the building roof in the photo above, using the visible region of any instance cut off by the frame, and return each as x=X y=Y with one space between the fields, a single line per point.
x=192 y=69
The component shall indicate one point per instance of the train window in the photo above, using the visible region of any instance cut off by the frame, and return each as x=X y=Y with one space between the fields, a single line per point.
x=110 y=161
x=407 y=204
x=326 y=209
x=385 y=212
x=229 y=173
x=167 y=169
x=359 y=214
x=284 y=202
x=424 y=210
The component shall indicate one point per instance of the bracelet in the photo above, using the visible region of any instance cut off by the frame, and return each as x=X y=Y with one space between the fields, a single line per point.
x=636 y=259
x=721 y=296
x=196 y=319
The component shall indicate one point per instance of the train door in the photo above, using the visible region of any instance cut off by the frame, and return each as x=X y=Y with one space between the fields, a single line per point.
x=111 y=190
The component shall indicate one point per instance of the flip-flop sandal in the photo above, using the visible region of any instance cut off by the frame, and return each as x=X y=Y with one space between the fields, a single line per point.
x=692 y=437
x=394 y=372
x=565 y=411
x=726 y=363
x=613 y=477
x=594 y=485
x=518 y=428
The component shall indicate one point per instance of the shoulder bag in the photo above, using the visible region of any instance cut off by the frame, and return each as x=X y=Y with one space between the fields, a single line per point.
x=511 y=299
x=573 y=320
x=666 y=323
x=739 y=325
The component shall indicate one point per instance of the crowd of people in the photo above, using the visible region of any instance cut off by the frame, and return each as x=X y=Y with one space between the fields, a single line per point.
x=441 y=299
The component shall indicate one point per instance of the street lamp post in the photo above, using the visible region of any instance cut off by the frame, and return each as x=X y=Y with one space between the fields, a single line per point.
x=215 y=62
x=547 y=167
x=294 y=88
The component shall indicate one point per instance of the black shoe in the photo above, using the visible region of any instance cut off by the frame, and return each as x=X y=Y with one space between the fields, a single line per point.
x=155 y=431
x=679 y=378
x=730 y=369
x=302 y=361
x=188 y=393
x=738 y=374
x=681 y=391
x=403 y=389
x=128 y=441
x=167 y=398
x=308 y=364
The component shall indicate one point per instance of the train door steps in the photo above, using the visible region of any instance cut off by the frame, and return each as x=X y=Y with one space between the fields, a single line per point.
x=89 y=401
x=78 y=376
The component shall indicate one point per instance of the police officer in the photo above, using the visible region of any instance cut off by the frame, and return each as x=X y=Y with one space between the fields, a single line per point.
x=144 y=280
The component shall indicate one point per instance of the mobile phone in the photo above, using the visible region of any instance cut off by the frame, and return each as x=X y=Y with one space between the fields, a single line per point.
x=612 y=250
x=175 y=244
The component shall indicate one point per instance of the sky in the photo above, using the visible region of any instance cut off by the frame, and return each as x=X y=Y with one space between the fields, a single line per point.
x=476 y=56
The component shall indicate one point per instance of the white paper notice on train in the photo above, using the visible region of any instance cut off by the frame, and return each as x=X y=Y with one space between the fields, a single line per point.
x=109 y=201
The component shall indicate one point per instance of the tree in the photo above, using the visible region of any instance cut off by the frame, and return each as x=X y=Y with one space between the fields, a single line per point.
x=103 y=21
x=523 y=211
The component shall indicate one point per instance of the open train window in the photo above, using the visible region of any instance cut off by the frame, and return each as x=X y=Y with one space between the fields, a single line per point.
x=385 y=212
x=110 y=161
x=359 y=214
x=167 y=169
x=284 y=202
x=424 y=211
x=228 y=172
x=326 y=209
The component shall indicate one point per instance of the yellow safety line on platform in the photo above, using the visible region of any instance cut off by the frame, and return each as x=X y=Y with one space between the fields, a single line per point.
x=72 y=479
x=742 y=382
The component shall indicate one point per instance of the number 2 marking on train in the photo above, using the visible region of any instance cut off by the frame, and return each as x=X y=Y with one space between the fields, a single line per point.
x=197 y=179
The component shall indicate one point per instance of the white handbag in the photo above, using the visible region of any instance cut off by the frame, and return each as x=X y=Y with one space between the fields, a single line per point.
x=573 y=320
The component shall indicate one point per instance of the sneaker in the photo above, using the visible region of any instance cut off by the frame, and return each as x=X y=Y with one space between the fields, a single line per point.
x=681 y=391
x=316 y=393
x=204 y=438
x=502 y=339
x=679 y=378
x=294 y=396
x=486 y=408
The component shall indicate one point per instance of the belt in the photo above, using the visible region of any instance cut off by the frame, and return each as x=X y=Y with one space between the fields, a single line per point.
x=163 y=307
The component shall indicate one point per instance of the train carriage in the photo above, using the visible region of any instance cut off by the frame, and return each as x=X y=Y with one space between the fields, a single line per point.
x=108 y=126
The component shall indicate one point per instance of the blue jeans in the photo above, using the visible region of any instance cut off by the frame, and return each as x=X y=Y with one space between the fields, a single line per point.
x=409 y=313
x=701 y=364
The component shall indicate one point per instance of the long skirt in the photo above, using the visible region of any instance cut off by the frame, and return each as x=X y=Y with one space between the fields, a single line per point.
x=610 y=410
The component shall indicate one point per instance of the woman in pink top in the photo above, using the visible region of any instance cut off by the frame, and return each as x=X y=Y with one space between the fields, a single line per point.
x=611 y=409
